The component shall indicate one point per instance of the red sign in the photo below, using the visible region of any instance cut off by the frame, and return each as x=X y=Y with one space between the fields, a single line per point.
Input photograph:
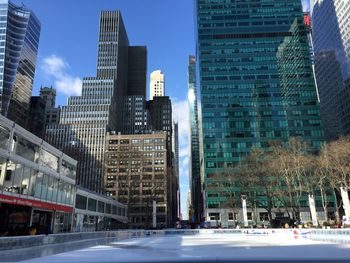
x=307 y=20
x=34 y=203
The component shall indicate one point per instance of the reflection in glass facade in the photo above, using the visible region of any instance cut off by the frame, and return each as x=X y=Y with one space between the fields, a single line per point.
x=256 y=80
x=194 y=167
x=331 y=37
x=19 y=40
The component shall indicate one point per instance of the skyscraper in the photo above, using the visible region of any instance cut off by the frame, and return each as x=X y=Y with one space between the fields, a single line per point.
x=86 y=119
x=137 y=71
x=157 y=84
x=161 y=118
x=253 y=91
x=19 y=41
x=194 y=163
x=331 y=36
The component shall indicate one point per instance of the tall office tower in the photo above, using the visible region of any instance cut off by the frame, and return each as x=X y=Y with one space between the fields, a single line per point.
x=136 y=117
x=52 y=114
x=161 y=120
x=19 y=41
x=157 y=84
x=331 y=37
x=137 y=71
x=247 y=98
x=136 y=174
x=330 y=86
x=161 y=117
x=194 y=163
x=86 y=119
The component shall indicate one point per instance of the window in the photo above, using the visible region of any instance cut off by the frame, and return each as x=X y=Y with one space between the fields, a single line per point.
x=49 y=160
x=27 y=172
x=2 y=172
x=250 y=215
x=113 y=141
x=263 y=216
x=124 y=141
x=214 y=216
x=92 y=204
x=25 y=148
x=4 y=137
x=108 y=208
x=101 y=207
x=230 y=216
x=68 y=169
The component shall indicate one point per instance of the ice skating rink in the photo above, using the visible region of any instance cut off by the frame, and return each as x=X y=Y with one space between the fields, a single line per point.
x=208 y=248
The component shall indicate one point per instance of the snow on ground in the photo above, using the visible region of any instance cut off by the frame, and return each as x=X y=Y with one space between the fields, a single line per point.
x=206 y=247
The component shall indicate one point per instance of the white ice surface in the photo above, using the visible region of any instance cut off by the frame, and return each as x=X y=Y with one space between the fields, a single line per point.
x=204 y=247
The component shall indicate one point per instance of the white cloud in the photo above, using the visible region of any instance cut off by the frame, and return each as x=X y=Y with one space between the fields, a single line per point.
x=181 y=115
x=57 y=68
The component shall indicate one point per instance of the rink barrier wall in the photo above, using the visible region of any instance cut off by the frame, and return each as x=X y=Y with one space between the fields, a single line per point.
x=9 y=243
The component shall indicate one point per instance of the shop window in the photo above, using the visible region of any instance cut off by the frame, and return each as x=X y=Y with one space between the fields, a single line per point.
x=35 y=184
x=27 y=173
x=80 y=202
x=9 y=174
x=60 y=192
x=67 y=193
x=25 y=148
x=55 y=190
x=114 y=210
x=17 y=179
x=50 y=188
x=44 y=187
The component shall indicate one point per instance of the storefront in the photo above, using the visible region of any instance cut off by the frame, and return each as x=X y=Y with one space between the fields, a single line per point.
x=37 y=184
x=19 y=214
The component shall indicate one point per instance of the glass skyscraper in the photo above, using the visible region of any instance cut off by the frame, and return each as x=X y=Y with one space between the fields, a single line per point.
x=194 y=164
x=256 y=82
x=331 y=36
x=19 y=41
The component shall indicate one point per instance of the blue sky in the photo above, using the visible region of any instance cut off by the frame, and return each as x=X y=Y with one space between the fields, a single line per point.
x=68 y=48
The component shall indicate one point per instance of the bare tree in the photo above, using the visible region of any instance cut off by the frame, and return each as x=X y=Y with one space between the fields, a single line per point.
x=337 y=154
